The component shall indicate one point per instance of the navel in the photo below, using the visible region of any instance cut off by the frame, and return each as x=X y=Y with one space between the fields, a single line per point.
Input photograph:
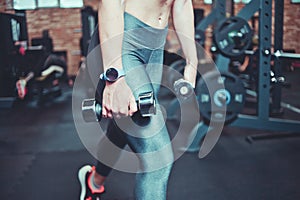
x=160 y=19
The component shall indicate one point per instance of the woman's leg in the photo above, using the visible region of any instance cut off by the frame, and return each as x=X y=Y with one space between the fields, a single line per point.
x=150 y=141
x=109 y=151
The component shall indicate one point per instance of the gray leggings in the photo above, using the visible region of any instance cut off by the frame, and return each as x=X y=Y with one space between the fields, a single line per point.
x=142 y=61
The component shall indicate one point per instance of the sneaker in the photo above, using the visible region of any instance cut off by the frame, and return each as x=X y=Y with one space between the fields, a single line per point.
x=87 y=193
x=21 y=87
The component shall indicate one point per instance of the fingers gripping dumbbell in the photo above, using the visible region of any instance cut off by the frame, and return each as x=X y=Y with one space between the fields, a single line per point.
x=92 y=109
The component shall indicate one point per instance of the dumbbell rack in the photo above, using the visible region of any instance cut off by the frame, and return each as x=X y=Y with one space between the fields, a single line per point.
x=262 y=120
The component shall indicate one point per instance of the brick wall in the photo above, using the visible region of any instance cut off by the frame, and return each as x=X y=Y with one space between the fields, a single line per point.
x=65 y=27
x=2 y=6
x=291 y=26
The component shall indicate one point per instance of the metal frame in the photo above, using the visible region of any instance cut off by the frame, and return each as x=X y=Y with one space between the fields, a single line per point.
x=217 y=13
x=262 y=121
x=278 y=46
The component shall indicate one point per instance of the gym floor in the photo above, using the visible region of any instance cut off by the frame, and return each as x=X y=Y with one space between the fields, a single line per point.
x=41 y=152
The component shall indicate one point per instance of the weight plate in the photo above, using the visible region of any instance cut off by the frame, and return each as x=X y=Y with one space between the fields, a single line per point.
x=221 y=96
x=233 y=36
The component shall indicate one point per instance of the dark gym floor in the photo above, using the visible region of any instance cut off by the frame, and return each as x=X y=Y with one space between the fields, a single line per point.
x=41 y=152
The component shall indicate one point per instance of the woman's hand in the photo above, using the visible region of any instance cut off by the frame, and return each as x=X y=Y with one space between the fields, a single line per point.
x=118 y=100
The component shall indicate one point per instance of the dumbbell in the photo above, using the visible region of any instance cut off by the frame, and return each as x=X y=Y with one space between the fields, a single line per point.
x=183 y=89
x=92 y=109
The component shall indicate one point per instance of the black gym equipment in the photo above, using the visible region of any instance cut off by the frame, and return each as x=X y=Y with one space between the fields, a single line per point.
x=45 y=41
x=89 y=19
x=233 y=36
x=266 y=101
x=19 y=61
x=13 y=28
x=199 y=34
x=221 y=96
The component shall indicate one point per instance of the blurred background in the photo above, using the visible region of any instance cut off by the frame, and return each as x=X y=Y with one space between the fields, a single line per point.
x=43 y=48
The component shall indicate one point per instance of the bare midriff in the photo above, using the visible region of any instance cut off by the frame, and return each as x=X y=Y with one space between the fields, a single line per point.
x=155 y=13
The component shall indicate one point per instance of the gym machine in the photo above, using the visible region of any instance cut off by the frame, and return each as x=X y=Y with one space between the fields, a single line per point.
x=13 y=28
x=20 y=63
x=262 y=120
x=89 y=19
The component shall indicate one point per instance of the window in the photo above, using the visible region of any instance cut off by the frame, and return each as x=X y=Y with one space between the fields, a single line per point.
x=208 y=1
x=246 y=1
x=47 y=4
x=24 y=4
x=235 y=1
x=243 y=1
x=33 y=4
x=71 y=3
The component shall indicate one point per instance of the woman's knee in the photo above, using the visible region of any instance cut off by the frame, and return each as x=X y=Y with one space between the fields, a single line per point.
x=160 y=160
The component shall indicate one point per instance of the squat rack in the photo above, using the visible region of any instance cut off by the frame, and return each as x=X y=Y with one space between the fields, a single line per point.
x=262 y=121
